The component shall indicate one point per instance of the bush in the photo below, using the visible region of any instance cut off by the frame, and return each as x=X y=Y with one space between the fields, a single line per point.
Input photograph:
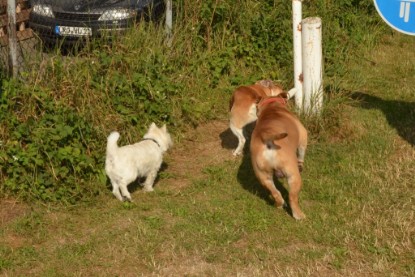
x=45 y=154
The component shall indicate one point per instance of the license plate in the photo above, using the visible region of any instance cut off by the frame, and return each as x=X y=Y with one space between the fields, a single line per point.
x=73 y=31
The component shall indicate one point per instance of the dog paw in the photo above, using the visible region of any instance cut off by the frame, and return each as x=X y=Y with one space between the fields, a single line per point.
x=127 y=199
x=300 y=166
x=299 y=216
x=282 y=205
x=285 y=205
x=148 y=189
x=236 y=153
x=120 y=198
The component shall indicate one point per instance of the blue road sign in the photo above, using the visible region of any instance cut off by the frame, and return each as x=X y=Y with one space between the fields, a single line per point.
x=399 y=14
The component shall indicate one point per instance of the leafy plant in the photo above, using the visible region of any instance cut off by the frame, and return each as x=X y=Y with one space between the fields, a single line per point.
x=47 y=155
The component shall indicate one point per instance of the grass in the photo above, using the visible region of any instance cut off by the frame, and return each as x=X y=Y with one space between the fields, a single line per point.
x=214 y=219
x=209 y=216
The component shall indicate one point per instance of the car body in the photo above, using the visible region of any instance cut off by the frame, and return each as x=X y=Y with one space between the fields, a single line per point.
x=70 y=21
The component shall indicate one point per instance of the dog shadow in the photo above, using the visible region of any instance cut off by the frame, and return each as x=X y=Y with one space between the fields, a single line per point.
x=246 y=175
x=247 y=179
x=230 y=141
x=138 y=183
x=399 y=114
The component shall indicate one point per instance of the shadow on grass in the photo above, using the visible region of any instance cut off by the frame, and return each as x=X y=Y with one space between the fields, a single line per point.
x=230 y=141
x=246 y=175
x=247 y=179
x=400 y=114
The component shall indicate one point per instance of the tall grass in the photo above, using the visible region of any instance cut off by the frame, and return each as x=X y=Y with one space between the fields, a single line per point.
x=54 y=122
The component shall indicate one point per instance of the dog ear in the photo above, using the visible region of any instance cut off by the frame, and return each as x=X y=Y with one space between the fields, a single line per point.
x=153 y=125
x=164 y=128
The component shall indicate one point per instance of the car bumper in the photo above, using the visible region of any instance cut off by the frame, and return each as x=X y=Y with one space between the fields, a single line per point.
x=46 y=29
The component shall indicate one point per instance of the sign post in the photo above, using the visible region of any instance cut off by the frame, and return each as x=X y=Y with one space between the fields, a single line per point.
x=298 y=84
x=399 y=14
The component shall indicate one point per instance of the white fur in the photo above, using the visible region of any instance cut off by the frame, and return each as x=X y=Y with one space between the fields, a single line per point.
x=252 y=113
x=125 y=164
x=270 y=156
x=239 y=133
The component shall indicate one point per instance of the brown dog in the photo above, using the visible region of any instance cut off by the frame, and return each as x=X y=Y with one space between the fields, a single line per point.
x=278 y=146
x=243 y=108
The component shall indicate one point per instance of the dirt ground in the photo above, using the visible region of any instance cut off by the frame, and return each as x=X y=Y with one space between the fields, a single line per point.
x=208 y=144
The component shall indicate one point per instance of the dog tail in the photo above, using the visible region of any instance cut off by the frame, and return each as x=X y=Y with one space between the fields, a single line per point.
x=112 y=145
x=271 y=141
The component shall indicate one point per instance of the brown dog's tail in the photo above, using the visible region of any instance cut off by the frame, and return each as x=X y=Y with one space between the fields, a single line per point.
x=271 y=141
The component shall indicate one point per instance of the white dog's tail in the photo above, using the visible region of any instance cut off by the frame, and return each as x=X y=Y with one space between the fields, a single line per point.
x=112 y=145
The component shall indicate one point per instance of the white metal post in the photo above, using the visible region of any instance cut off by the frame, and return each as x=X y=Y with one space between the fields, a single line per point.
x=312 y=65
x=11 y=30
x=169 y=20
x=298 y=86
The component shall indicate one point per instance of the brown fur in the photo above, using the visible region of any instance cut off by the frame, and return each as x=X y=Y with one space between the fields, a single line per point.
x=278 y=146
x=242 y=107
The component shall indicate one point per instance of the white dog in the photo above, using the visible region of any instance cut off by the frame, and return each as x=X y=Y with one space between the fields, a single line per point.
x=125 y=164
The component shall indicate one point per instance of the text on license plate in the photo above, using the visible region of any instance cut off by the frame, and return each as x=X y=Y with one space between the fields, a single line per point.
x=73 y=31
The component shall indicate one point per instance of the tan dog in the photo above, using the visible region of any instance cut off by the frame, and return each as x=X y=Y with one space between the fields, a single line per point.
x=243 y=108
x=278 y=146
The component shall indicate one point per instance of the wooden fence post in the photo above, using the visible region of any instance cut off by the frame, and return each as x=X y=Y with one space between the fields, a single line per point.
x=11 y=30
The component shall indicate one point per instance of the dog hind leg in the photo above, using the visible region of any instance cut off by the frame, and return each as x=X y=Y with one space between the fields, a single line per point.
x=116 y=190
x=148 y=184
x=294 y=182
x=124 y=191
x=267 y=181
x=302 y=148
x=238 y=132
x=300 y=157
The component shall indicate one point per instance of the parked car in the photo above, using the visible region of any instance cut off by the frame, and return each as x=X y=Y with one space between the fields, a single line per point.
x=70 y=21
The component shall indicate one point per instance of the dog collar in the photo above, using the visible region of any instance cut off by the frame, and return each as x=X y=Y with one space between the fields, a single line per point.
x=270 y=100
x=153 y=140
